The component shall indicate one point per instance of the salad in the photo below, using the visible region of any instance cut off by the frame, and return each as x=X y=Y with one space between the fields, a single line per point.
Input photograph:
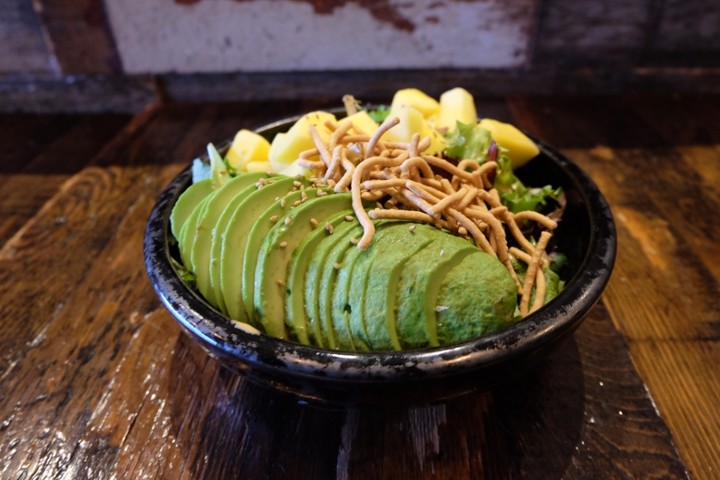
x=386 y=228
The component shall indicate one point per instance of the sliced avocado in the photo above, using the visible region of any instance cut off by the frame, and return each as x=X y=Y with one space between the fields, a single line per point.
x=238 y=222
x=271 y=216
x=202 y=242
x=295 y=316
x=187 y=233
x=477 y=297
x=419 y=283
x=186 y=204
x=357 y=266
x=337 y=265
x=319 y=263
x=276 y=251
x=382 y=283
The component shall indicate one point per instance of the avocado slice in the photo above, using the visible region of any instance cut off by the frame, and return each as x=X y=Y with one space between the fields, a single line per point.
x=264 y=222
x=295 y=316
x=202 y=242
x=349 y=294
x=334 y=304
x=320 y=270
x=187 y=233
x=476 y=297
x=186 y=204
x=276 y=251
x=382 y=283
x=419 y=283
x=233 y=228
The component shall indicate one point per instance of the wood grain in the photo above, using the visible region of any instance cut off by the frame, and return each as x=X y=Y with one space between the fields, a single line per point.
x=656 y=169
x=96 y=380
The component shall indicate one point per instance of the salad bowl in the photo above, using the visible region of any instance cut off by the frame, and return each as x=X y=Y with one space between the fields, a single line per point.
x=586 y=236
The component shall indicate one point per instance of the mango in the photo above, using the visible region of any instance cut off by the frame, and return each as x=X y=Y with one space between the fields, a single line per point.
x=417 y=99
x=412 y=121
x=247 y=147
x=520 y=149
x=286 y=147
x=363 y=122
x=456 y=105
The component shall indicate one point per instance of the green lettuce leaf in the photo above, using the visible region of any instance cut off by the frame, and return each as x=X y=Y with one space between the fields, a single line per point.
x=468 y=141
x=515 y=195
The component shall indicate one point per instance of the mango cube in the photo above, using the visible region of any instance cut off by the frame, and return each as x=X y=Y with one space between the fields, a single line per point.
x=412 y=121
x=456 y=105
x=417 y=99
x=363 y=122
x=286 y=147
x=520 y=149
x=247 y=147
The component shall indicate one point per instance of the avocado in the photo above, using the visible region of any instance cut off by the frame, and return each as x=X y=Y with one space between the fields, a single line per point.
x=276 y=251
x=186 y=204
x=384 y=277
x=295 y=316
x=391 y=245
x=238 y=222
x=260 y=229
x=322 y=265
x=477 y=297
x=201 y=244
x=334 y=288
x=187 y=233
x=419 y=283
x=349 y=294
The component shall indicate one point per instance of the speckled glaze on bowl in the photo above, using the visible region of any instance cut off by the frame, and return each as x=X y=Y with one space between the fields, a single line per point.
x=586 y=235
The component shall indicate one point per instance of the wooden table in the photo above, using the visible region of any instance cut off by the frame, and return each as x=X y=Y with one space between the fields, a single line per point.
x=96 y=380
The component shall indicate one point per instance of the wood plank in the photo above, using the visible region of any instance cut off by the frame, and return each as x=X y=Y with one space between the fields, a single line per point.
x=22 y=48
x=42 y=153
x=662 y=295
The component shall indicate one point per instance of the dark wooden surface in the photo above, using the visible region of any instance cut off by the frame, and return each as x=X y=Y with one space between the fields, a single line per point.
x=96 y=380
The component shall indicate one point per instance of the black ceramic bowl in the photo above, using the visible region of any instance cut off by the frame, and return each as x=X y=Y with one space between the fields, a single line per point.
x=586 y=235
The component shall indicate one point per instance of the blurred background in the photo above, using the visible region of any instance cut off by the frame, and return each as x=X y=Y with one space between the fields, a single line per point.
x=120 y=55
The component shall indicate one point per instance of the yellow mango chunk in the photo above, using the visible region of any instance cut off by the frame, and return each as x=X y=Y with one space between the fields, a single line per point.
x=363 y=122
x=417 y=99
x=519 y=147
x=286 y=147
x=412 y=121
x=247 y=147
x=456 y=105
x=258 y=166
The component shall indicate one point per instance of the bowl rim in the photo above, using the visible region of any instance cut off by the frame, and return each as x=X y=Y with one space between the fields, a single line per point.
x=222 y=337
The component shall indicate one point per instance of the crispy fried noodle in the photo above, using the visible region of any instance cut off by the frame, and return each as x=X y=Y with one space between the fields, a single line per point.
x=416 y=186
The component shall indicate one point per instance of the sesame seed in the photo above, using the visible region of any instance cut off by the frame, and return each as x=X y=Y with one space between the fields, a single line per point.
x=297 y=184
x=321 y=193
x=282 y=244
x=349 y=218
x=442 y=252
x=337 y=265
x=296 y=203
x=354 y=240
x=274 y=218
x=412 y=228
x=329 y=228
x=282 y=202
x=281 y=283
x=288 y=220
x=314 y=222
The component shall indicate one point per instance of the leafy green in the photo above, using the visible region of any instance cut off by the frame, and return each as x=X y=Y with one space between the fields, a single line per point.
x=515 y=195
x=219 y=172
x=379 y=113
x=467 y=140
